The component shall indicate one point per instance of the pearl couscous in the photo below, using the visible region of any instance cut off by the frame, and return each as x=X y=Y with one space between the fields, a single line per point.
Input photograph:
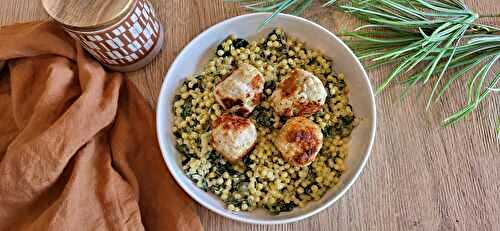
x=262 y=178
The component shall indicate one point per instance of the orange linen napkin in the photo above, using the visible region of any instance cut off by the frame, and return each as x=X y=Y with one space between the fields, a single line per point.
x=78 y=148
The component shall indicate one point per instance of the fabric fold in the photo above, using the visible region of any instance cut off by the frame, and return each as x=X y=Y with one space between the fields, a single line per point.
x=78 y=147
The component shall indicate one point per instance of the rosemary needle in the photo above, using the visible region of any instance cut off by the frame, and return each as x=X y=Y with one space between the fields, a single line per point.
x=498 y=128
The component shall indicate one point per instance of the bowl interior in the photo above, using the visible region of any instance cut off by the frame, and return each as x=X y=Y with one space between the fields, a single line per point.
x=197 y=53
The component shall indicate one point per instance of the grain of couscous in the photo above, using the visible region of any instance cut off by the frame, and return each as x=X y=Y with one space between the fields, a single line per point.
x=262 y=178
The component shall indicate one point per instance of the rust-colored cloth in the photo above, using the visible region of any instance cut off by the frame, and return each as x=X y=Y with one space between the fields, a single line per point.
x=78 y=148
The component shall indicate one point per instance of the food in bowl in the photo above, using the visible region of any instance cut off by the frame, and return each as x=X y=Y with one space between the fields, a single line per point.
x=266 y=124
x=300 y=93
x=233 y=137
x=241 y=91
x=299 y=141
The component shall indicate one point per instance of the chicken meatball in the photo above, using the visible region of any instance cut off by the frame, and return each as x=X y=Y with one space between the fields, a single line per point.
x=299 y=141
x=241 y=91
x=233 y=136
x=300 y=94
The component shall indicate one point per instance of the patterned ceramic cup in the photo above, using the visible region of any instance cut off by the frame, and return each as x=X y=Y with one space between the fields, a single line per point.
x=123 y=35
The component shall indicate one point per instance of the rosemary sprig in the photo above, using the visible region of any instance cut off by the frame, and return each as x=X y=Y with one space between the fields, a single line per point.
x=294 y=7
x=425 y=39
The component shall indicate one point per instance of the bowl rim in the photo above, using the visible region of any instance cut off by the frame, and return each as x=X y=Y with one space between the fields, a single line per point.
x=228 y=214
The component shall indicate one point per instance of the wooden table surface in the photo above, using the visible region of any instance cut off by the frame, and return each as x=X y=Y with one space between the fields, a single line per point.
x=420 y=176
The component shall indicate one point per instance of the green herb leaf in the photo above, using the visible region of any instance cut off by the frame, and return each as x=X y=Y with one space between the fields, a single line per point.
x=498 y=128
x=294 y=7
x=427 y=39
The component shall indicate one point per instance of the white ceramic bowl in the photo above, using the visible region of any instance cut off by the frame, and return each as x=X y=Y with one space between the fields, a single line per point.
x=195 y=55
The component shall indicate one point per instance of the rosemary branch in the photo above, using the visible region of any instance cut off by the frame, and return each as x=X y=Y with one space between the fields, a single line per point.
x=294 y=7
x=427 y=38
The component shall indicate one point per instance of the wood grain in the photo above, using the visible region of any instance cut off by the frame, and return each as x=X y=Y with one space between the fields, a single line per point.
x=87 y=13
x=420 y=176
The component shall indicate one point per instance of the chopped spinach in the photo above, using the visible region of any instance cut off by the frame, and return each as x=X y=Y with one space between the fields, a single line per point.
x=247 y=161
x=199 y=181
x=284 y=50
x=242 y=186
x=204 y=185
x=286 y=207
x=329 y=72
x=345 y=126
x=239 y=177
x=201 y=83
x=221 y=48
x=185 y=161
x=319 y=113
x=238 y=43
x=341 y=84
x=313 y=62
x=283 y=119
x=263 y=117
x=212 y=157
x=217 y=189
x=189 y=128
x=206 y=127
x=281 y=38
x=349 y=106
x=308 y=190
x=217 y=78
x=338 y=129
x=342 y=128
x=187 y=107
x=271 y=84
x=193 y=86
x=311 y=173
x=236 y=202
x=328 y=94
x=328 y=131
x=347 y=120
x=221 y=167
x=280 y=206
x=231 y=170
x=182 y=148
x=219 y=164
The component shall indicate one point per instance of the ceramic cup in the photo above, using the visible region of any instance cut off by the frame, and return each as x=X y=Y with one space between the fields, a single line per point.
x=124 y=35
